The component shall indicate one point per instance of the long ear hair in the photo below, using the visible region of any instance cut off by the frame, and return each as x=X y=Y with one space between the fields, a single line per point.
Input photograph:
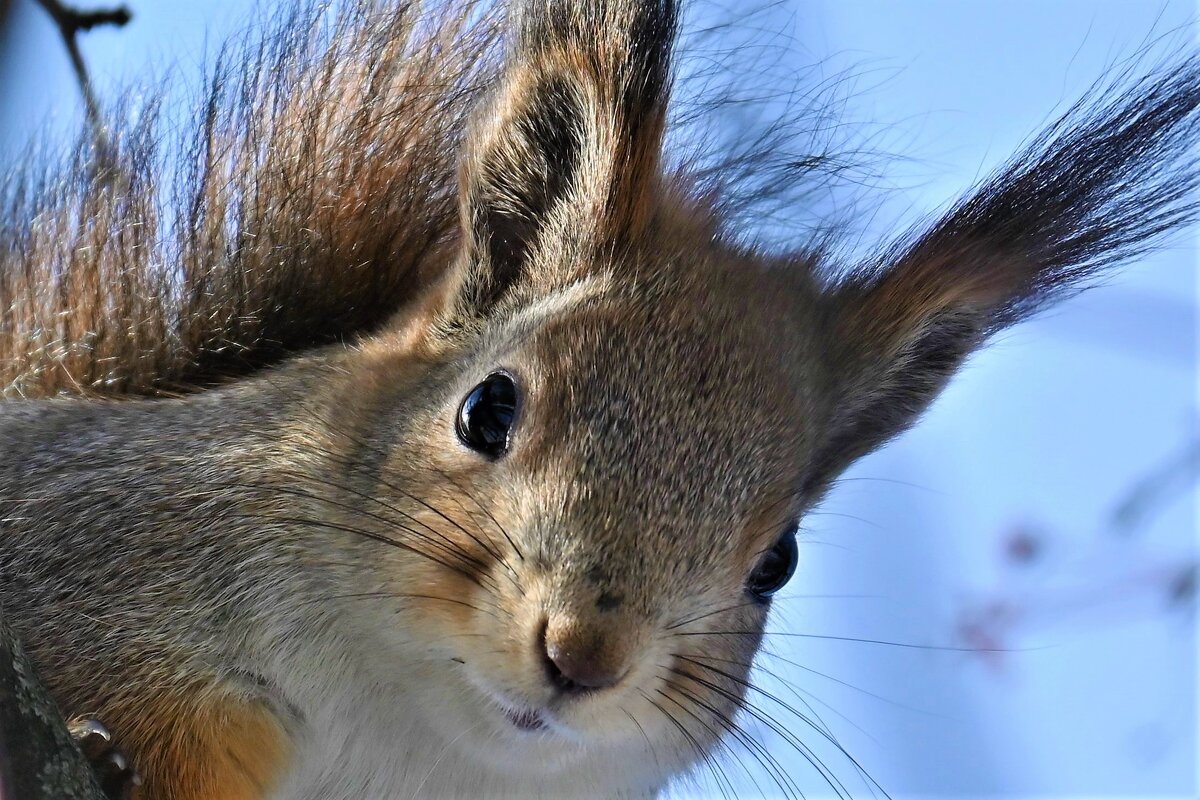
x=569 y=146
x=1107 y=181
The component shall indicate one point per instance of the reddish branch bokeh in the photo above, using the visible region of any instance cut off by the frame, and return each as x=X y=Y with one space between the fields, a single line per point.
x=1116 y=576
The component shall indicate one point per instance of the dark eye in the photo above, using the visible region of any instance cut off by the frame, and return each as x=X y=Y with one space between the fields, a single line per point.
x=775 y=569
x=486 y=415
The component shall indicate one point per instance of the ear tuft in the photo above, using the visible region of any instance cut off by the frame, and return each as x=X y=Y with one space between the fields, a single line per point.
x=565 y=159
x=1108 y=181
x=519 y=181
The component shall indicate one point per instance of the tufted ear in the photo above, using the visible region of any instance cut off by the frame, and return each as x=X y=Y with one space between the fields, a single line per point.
x=1103 y=184
x=564 y=159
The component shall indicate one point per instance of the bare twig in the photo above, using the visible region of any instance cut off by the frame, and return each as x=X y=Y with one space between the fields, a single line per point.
x=1152 y=492
x=70 y=22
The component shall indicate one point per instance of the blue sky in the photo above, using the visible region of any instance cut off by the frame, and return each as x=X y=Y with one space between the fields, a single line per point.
x=1043 y=433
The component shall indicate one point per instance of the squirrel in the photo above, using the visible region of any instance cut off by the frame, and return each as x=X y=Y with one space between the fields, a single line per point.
x=432 y=435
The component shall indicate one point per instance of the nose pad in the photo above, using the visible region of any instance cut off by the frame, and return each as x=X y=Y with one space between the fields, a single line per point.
x=580 y=660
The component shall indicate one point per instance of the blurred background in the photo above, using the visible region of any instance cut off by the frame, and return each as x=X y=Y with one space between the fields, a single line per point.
x=1002 y=602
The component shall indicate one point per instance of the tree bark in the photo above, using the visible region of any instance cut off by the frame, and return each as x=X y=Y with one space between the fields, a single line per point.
x=38 y=758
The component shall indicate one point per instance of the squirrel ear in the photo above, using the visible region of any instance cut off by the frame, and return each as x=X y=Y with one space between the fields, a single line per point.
x=564 y=159
x=1106 y=183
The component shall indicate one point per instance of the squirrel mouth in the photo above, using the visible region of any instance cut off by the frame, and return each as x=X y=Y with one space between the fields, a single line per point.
x=525 y=719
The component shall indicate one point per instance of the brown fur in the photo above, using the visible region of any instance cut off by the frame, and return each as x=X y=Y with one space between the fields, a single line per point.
x=315 y=197
x=340 y=598
x=218 y=749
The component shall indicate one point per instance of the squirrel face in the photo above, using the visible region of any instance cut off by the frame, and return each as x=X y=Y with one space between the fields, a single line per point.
x=603 y=516
x=627 y=532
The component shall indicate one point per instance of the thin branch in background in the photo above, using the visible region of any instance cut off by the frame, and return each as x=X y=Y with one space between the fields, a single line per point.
x=1106 y=585
x=70 y=22
x=1156 y=490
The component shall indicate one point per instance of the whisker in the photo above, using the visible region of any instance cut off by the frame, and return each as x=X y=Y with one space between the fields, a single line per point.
x=821 y=729
x=689 y=738
x=709 y=759
x=843 y=515
x=804 y=750
x=444 y=542
x=848 y=685
x=642 y=731
x=720 y=738
x=855 y=478
x=790 y=597
x=690 y=620
x=319 y=523
x=801 y=695
x=383 y=595
x=486 y=512
x=749 y=685
x=372 y=499
x=777 y=524
x=906 y=645
x=768 y=762
x=370 y=448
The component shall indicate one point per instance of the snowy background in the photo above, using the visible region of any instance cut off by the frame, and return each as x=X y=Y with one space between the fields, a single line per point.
x=1045 y=508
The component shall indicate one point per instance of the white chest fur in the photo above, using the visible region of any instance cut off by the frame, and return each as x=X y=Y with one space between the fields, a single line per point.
x=363 y=736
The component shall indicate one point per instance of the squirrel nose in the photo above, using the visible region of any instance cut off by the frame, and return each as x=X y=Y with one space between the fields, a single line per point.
x=579 y=660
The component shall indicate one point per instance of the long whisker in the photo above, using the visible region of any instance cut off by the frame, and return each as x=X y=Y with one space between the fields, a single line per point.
x=446 y=546
x=796 y=744
x=320 y=523
x=384 y=595
x=511 y=574
x=357 y=468
x=822 y=729
x=906 y=645
x=752 y=603
x=848 y=685
x=801 y=695
x=750 y=686
x=718 y=737
x=642 y=731
x=777 y=523
x=370 y=448
x=690 y=620
x=908 y=484
x=372 y=499
x=689 y=739
x=843 y=515
x=768 y=762
x=445 y=542
x=484 y=509
x=722 y=779
x=440 y=756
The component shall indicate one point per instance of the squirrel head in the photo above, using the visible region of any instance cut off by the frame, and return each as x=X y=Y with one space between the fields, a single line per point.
x=599 y=423
x=601 y=431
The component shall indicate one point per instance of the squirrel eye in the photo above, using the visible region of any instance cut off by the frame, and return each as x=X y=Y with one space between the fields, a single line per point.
x=486 y=415
x=776 y=567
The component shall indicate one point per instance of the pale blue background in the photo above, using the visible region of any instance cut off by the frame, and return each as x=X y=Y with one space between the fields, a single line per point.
x=1049 y=429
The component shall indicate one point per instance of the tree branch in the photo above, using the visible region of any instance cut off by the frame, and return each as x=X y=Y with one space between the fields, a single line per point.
x=38 y=758
x=70 y=22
